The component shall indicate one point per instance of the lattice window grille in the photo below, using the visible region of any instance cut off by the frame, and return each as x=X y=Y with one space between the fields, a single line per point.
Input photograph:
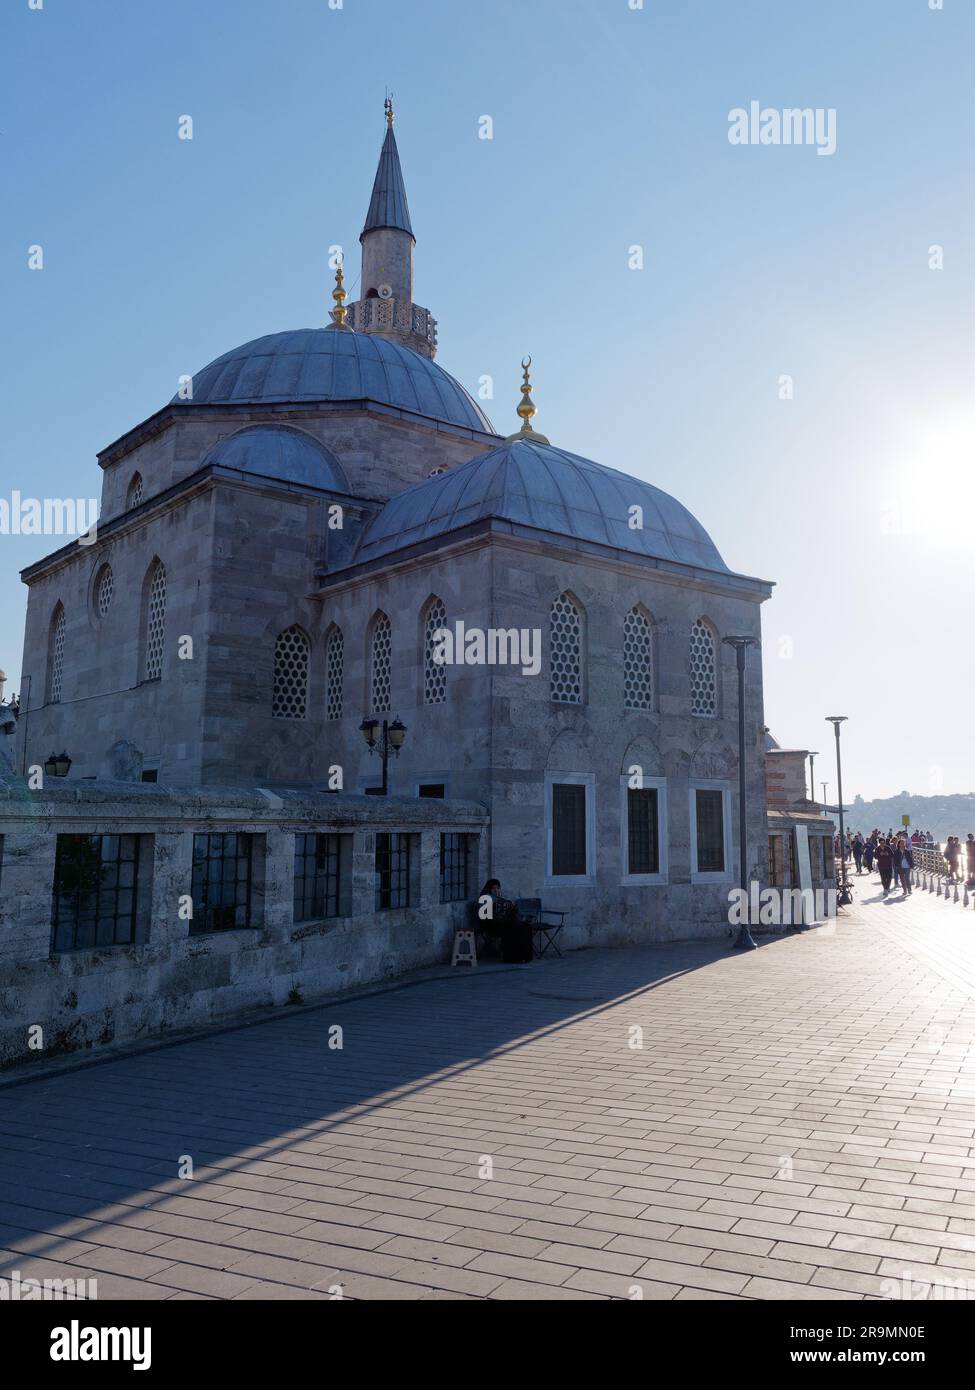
x=704 y=689
x=104 y=590
x=57 y=656
x=135 y=491
x=291 y=653
x=156 y=623
x=637 y=660
x=382 y=649
x=434 y=675
x=565 y=641
x=334 y=674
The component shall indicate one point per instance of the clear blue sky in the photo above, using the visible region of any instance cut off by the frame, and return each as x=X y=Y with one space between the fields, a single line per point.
x=610 y=129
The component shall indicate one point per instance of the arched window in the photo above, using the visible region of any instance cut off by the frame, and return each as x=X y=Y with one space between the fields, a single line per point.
x=334 y=672
x=380 y=663
x=291 y=653
x=134 y=495
x=434 y=673
x=704 y=684
x=565 y=649
x=55 y=655
x=637 y=660
x=155 y=621
x=104 y=588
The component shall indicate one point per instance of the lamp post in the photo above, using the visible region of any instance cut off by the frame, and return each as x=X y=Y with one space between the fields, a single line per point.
x=812 y=784
x=57 y=765
x=740 y=644
x=846 y=897
x=390 y=740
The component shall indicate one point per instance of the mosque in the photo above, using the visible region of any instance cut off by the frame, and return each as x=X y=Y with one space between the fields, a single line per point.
x=280 y=551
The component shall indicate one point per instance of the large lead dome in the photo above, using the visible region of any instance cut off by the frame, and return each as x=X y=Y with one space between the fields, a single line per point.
x=321 y=364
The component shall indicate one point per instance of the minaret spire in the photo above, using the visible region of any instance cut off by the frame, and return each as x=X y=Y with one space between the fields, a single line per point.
x=387 y=306
x=527 y=410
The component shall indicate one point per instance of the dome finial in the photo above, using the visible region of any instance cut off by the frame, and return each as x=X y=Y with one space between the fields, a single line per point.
x=388 y=107
x=339 y=313
x=527 y=409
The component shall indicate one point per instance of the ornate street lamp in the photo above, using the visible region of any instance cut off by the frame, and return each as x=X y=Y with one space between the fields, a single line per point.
x=846 y=897
x=390 y=740
x=57 y=765
x=745 y=942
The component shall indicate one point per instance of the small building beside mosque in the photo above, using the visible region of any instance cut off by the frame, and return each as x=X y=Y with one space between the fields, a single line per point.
x=322 y=535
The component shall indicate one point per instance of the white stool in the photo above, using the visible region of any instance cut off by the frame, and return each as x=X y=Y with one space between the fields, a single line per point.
x=465 y=950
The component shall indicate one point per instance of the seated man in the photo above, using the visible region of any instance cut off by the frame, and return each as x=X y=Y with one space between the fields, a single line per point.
x=515 y=935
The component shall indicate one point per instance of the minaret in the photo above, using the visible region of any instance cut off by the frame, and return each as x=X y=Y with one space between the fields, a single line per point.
x=386 y=306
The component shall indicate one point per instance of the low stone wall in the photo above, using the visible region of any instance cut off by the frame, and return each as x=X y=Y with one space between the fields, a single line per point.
x=53 y=1003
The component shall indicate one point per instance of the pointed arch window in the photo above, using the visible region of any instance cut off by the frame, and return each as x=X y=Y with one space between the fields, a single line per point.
x=334 y=672
x=380 y=663
x=104 y=588
x=55 y=655
x=565 y=651
x=155 y=621
x=637 y=659
x=704 y=683
x=291 y=659
x=134 y=495
x=434 y=672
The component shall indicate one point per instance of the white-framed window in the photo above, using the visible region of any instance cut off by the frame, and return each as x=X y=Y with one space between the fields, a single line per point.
x=380 y=663
x=334 y=672
x=434 y=673
x=703 y=671
x=570 y=829
x=565 y=636
x=643 y=829
x=710 y=808
x=638 y=675
x=292 y=653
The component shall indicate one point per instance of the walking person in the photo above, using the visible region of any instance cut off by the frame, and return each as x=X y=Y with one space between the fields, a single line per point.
x=903 y=864
x=885 y=864
x=970 y=856
x=858 y=851
x=869 y=850
x=953 y=854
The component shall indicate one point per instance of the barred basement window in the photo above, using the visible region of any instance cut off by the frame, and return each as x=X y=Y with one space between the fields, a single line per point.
x=134 y=498
x=221 y=882
x=637 y=660
x=642 y=831
x=710 y=831
x=291 y=651
x=434 y=674
x=381 y=648
x=565 y=648
x=334 y=673
x=392 y=871
x=454 y=864
x=55 y=656
x=155 y=622
x=104 y=588
x=704 y=689
x=96 y=880
x=316 y=877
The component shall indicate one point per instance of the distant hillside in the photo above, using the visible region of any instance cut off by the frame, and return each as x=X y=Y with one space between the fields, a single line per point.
x=942 y=815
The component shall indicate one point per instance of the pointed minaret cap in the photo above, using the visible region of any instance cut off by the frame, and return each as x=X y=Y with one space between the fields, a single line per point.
x=388 y=206
x=527 y=410
x=338 y=314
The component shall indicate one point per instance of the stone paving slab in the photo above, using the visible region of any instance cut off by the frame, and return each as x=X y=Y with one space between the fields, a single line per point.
x=669 y=1122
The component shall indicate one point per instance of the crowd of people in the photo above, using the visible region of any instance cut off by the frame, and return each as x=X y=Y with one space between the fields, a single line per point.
x=893 y=855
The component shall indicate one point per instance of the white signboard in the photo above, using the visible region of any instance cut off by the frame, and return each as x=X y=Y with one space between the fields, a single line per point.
x=804 y=866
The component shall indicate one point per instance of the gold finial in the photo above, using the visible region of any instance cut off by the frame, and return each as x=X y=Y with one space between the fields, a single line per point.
x=388 y=106
x=527 y=409
x=338 y=294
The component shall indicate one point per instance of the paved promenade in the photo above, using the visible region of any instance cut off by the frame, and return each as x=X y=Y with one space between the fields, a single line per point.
x=797 y=1124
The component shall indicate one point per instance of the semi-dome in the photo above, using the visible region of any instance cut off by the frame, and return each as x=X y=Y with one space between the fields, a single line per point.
x=278 y=451
x=534 y=484
x=324 y=364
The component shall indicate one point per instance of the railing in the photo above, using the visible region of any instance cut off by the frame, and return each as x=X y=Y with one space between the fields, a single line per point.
x=932 y=873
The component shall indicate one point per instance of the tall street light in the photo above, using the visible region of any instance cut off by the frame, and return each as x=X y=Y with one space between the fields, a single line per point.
x=390 y=740
x=846 y=897
x=812 y=784
x=740 y=644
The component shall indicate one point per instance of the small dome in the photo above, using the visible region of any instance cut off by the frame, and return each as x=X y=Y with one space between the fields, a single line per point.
x=537 y=485
x=277 y=451
x=324 y=364
x=770 y=743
